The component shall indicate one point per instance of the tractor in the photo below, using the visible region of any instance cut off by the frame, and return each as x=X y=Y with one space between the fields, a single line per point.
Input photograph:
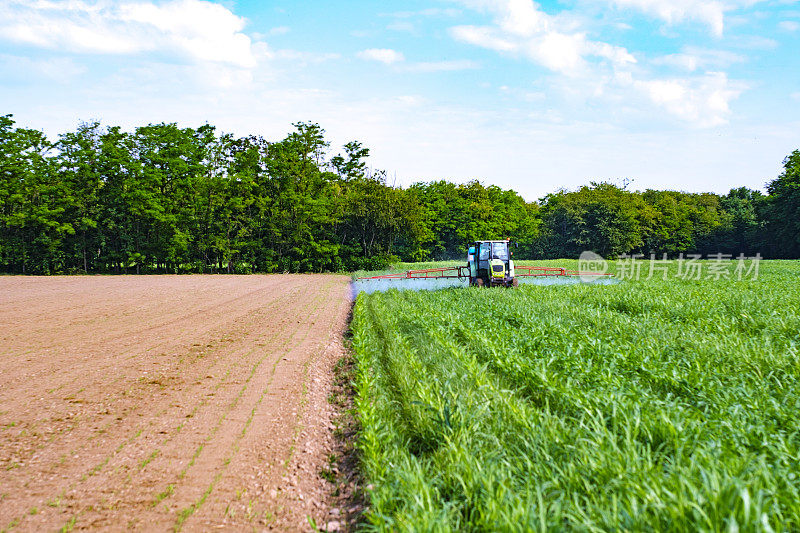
x=490 y=264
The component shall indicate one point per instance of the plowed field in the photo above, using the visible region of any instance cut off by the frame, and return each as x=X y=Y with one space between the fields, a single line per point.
x=158 y=402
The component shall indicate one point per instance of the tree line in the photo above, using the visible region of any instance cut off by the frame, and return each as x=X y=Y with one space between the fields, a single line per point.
x=168 y=199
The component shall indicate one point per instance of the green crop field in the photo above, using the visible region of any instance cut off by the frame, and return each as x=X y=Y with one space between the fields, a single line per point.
x=645 y=405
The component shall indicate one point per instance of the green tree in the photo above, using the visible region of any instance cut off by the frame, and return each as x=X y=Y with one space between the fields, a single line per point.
x=165 y=198
x=172 y=160
x=124 y=203
x=300 y=223
x=79 y=171
x=783 y=210
x=32 y=202
x=601 y=217
x=352 y=165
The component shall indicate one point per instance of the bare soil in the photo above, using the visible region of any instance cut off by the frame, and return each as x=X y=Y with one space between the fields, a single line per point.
x=169 y=402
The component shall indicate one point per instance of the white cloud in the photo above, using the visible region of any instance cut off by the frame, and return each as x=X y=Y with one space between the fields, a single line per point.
x=484 y=37
x=197 y=29
x=382 y=55
x=410 y=100
x=753 y=42
x=442 y=66
x=523 y=18
x=558 y=51
x=388 y=56
x=60 y=70
x=694 y=58
x=430 y=12
x=687 y=62
x=402 y=25
x=703 y=101
x=711 y=13
x=789 y=25
x=616 y=54
x=304 y=58
x=596 y=70
x=522 y=28
x=204 y=30
x=363 y=33
x=796 y=96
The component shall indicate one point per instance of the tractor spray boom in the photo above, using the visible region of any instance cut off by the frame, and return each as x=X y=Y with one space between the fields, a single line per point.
x=489 y=264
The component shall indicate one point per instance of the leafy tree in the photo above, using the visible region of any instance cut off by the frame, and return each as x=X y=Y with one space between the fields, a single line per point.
x=740 y=229
x=299 y=229
x=352 y=164
x=452 y=216
x=672 y=229
x=33 y=202
x=124 y=204
x=783 y=209
x=602 y=217
x=171 y=199
x=79 y=172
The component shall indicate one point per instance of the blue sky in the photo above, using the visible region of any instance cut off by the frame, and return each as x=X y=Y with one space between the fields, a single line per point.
x=696 y=95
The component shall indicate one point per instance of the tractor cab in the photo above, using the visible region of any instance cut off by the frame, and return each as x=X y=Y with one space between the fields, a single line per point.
x=490 y=264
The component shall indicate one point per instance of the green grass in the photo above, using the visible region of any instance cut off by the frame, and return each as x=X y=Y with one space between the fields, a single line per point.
x=644 y=405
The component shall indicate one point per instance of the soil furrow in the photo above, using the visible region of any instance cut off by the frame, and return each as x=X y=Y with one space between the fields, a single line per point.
x=146 y=397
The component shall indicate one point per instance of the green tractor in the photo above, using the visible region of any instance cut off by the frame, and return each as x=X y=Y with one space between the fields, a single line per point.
x=490 y=264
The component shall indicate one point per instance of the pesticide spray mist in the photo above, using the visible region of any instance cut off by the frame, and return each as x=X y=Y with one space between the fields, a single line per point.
x=369 y=286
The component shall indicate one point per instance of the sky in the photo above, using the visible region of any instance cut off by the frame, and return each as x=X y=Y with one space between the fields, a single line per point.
x=693 y=95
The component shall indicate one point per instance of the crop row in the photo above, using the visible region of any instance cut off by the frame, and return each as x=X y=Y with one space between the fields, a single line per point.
x=644 y=405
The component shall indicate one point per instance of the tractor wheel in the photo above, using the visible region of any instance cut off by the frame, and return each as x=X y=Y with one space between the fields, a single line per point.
x=479 y=282
x=515 y=283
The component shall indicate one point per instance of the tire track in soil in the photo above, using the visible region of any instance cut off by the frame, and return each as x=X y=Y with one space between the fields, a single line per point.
x=186 y=480
x=226 y=451
x=132 y=404
x=249 y=482
x=97 y=468
x=144 y=321
x=129 y=459
x=108 y=400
